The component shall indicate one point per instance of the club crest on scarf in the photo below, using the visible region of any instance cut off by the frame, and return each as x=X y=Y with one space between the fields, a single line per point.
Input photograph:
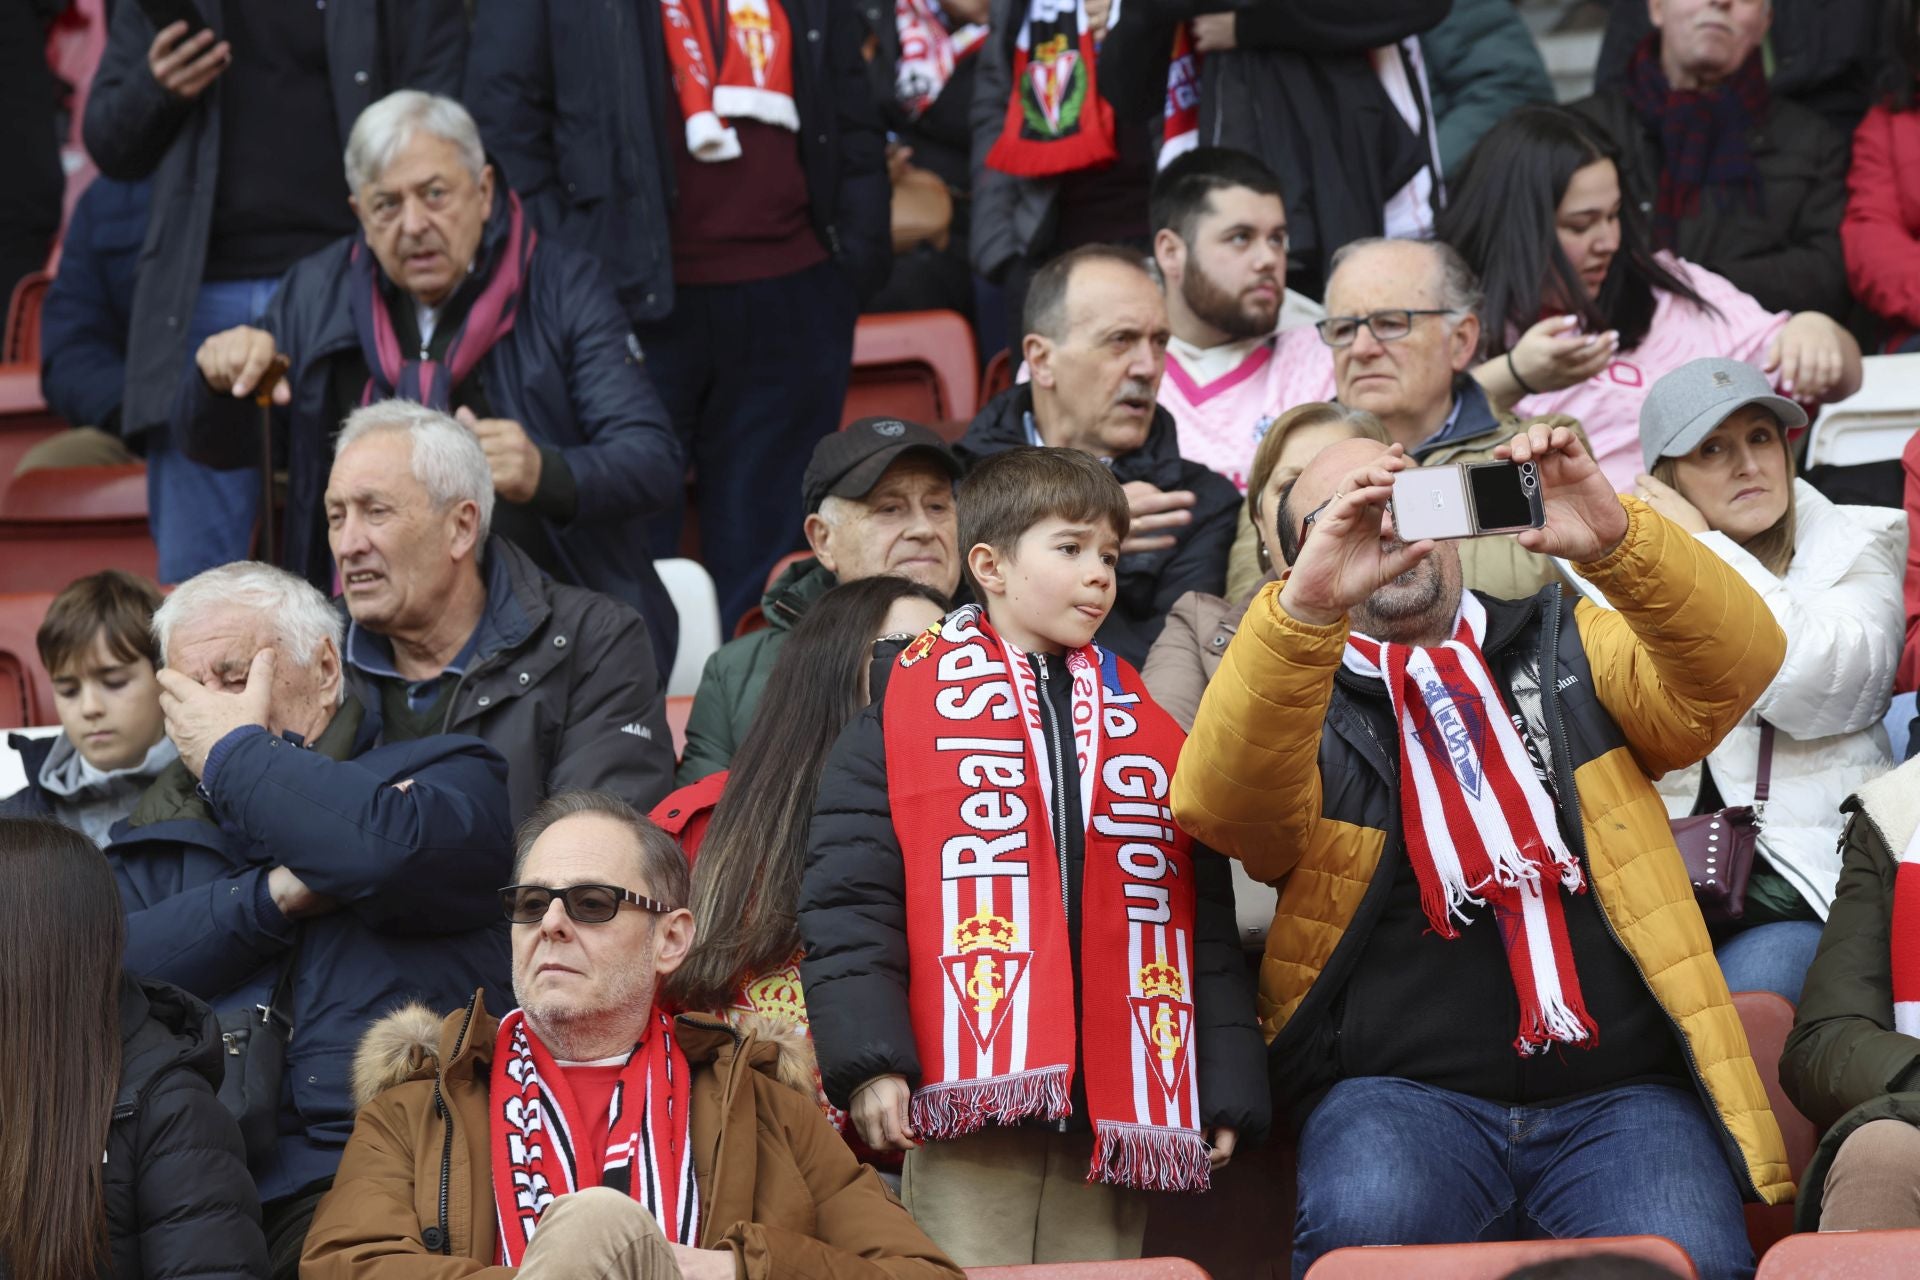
x=1451 y=723
x=753 y=34
x=1056 y=121
x=976 y=756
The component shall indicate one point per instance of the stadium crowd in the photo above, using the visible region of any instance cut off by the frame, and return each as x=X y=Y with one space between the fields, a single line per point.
x=1099 y=795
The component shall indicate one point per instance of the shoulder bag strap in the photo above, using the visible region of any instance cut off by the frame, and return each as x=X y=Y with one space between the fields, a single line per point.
x=1763 y=780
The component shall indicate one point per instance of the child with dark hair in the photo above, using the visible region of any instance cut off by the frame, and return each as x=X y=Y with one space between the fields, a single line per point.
x=97 y=644
x=1012 y=954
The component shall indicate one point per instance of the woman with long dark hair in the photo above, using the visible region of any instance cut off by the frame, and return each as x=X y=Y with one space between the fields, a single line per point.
x=1880 y=234
x=104 y=1062
x=1582 y=315
x=746 y=829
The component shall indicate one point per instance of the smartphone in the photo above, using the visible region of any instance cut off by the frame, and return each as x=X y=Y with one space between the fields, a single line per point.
x=1466 y=500
x=164 y=13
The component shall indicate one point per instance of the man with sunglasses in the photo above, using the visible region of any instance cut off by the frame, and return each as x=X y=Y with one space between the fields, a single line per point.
x=1400 y=340
x=590 y=1132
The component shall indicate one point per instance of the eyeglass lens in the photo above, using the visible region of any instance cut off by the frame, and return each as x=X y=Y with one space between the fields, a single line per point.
x=586 y=903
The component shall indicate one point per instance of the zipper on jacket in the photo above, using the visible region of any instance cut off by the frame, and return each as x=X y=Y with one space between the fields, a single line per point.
x=1570 y=797
x=1058 y=815
x=446 y=1144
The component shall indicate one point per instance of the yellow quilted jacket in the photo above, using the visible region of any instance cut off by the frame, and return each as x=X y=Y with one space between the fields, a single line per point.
x=1689 y=650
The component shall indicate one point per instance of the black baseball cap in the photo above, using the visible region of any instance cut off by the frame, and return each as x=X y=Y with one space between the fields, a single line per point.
x=848 y=463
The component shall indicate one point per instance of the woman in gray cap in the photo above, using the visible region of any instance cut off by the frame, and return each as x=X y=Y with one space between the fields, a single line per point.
x=1713 y=436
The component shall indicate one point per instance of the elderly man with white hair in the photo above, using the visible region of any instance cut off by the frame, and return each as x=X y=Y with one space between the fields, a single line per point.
x=286 y=861
x=448 y=296
x=456 y=630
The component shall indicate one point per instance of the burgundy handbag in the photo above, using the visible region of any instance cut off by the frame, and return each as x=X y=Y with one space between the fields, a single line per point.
x=1719 y=847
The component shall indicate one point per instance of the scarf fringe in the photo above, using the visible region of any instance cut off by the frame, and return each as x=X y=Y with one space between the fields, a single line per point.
x=1150 y=1158
x=950 y=1110
x=1558 y=1022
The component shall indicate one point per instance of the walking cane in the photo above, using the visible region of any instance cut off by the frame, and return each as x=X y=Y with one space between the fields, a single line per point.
x=263 y=396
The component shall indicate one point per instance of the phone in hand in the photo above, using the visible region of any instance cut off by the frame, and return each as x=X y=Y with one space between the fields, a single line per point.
x=1466 y=500
x=164 y=13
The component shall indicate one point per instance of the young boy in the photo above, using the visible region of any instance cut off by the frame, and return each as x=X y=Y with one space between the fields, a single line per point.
x=97 y=644
x=1018 y=970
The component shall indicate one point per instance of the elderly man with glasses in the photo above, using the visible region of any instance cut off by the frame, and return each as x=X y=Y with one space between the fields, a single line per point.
x=1400 y=340
x=589 y=1132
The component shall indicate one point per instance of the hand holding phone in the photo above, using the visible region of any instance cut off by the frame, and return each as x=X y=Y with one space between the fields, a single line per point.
x=184 y=57
x=1467 y=500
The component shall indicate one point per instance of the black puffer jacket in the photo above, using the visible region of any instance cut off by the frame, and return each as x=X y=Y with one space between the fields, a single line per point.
x=853 y=921
x=178 y=1197
x=1150 y=581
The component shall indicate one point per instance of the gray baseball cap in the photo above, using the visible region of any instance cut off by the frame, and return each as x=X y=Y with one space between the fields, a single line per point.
x=1683 y=408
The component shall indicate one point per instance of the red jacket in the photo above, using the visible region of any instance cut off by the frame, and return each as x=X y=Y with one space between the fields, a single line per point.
x=1881 y=230
x=685 y=813
x=1908 y=675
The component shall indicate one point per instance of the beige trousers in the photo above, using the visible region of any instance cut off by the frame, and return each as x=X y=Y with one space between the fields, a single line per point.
x=598 y=1234
x=1874 y=1181
x=1008 y=1197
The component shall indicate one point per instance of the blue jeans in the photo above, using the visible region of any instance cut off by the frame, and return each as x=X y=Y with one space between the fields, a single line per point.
x=1386 y=1161
x=201 y=517
x=1770 y=957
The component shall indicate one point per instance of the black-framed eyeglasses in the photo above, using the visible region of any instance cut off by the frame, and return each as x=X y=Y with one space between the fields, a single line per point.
x=1387 y=326
x=586 y=903
x=1306 y=525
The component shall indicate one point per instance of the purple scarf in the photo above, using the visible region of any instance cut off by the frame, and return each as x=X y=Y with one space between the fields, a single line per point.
x=431 y=382
x=1703 y=137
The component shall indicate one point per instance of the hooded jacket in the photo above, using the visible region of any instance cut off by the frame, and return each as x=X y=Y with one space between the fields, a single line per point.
x=778 y=1188
x=61 y=786
x=178 y=1198
x=1839 y=604
x=570 y=373
x=1149 y=581
x=1287 y=770
x=411 y=839
x=736 y=672
x=1845 y=1065
x=134 y=129
x=562 y=683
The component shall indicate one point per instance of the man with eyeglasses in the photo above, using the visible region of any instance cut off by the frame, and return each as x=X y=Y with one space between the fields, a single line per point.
x=1401 y=337
x=590 y=1132
x=448 y=296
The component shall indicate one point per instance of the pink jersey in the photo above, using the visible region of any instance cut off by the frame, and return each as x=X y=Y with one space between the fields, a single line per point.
x=1608 y=404
x=1221 y=421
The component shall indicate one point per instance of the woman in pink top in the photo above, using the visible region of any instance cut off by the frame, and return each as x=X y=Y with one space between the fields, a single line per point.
x=1581 y=316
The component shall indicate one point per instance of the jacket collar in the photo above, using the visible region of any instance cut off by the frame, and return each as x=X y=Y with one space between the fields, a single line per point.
x=1471 y=417
x=794 y=591
x=1002 y=425
x=1506 y=619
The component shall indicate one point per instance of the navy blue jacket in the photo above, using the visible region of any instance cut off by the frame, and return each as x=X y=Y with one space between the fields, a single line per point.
x=577 y=103
x=569 y=373
x=30 y=801
x=89 y=306
x=413 y=839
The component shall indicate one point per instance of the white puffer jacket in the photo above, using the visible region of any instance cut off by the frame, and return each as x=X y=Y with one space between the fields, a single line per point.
x=1840 y=605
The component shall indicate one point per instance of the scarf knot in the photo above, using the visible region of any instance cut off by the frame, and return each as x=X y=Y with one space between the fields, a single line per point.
x=1477 y=823
x=1705 y=137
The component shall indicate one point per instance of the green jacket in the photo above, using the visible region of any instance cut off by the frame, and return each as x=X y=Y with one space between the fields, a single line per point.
x=1481 y=64
x=731 y=682
x=1844 y=1064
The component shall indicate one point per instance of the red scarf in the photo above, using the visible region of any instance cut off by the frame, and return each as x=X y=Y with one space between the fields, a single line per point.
x=1057 y=122
x=990 y=982
x=755 y=79
x=1180 y=130
x=1906 y=939
x=928 y=53
x=390 y=370
x=1478 y=824
x=533 y=1117
x=1705 y=137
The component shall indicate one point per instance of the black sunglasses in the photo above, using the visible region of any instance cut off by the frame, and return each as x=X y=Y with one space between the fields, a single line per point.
x=586 y=903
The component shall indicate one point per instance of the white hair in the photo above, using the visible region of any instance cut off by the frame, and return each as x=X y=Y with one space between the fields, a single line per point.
x=389 y=125
x=299 y=613
x=447 y=458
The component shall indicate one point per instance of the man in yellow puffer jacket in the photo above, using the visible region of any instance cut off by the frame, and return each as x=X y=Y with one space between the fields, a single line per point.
x=1573 y=1066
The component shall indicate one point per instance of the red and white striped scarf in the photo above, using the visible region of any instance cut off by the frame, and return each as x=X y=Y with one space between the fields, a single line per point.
x=536 y=1139
x=1477 y=824
x=751 y=78
x=990 y=979
x=1906 y=939
x=928 y=53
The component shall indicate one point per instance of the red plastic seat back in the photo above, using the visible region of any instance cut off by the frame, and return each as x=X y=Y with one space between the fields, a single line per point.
x=22 y=340
x=64 y=523
x=1843 y=1255
x=1767 y=1019
x=26 y=693
x=679 y=707
x=917 y=365
x=1489 y=1261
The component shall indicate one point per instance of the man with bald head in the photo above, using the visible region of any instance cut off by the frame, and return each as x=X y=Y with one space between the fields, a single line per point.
x=1095 y=348
x=1492 y=1005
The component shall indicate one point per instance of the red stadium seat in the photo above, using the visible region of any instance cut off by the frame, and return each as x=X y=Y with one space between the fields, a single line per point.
x=1489 y=1261
x=1137 y=1269
x=998 y=377
x=916 y=365
x=1767 y=1019
x=21 y=344
x=63 y=523
x=26 y=694
x=1843 y=1255
x=679 y=707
